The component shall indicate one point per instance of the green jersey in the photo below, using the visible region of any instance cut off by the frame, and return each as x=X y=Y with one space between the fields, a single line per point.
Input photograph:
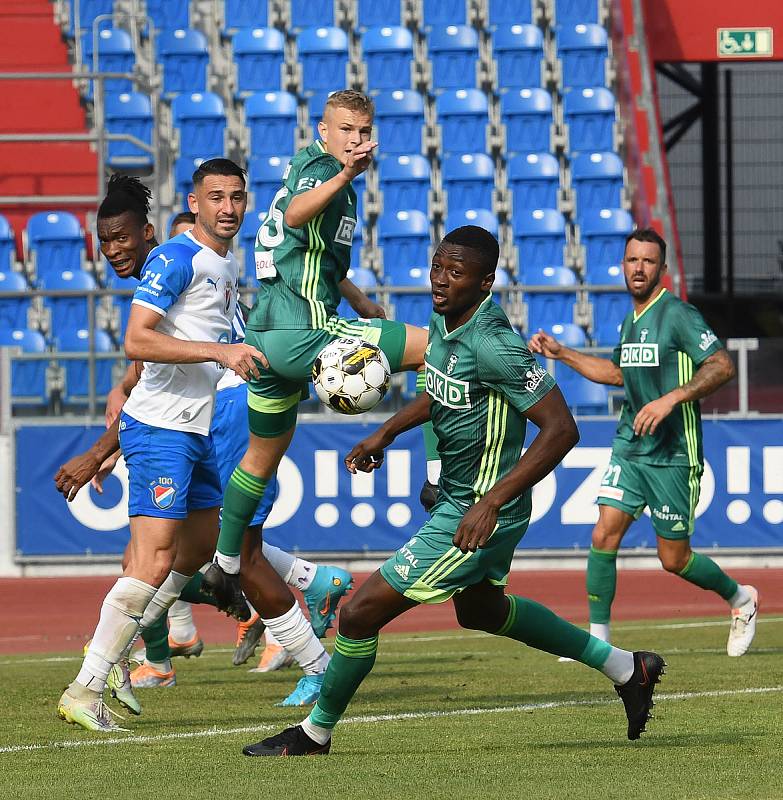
x=299 y=269
x=658 y=351
x=481 y=379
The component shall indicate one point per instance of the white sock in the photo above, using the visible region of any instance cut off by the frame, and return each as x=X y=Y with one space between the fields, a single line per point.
x=740 y=597
x=269 y=638
x=294 y=632
x=294 y=571
x=121 y=611
x=316 y=732
x=433 y=471
x=619 y=666
x=161 y=666
x=181 y=625
x=229 y=564
x=600 y=630
x=169 y=591
x=253 y=612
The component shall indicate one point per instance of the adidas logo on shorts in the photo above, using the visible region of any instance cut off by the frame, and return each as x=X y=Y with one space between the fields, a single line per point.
x=402 y=570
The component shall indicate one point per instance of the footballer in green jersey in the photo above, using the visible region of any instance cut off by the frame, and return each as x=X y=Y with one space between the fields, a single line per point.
x=667 y=360
x=482 y=387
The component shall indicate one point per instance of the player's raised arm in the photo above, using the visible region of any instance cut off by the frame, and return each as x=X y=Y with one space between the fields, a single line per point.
x=594 y=368
x=367 y=455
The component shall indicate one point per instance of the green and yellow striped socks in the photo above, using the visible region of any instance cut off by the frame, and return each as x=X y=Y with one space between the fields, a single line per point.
x=240 y=501
x=351 y=662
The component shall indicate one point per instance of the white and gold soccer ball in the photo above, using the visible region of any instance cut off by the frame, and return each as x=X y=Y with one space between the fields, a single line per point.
x=351 y=375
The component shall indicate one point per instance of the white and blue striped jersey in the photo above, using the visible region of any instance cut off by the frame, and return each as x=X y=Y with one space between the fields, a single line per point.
x=195 y=291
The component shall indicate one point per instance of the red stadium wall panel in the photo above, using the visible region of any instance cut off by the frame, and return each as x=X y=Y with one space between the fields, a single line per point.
x=30 y=41
x=691 y=31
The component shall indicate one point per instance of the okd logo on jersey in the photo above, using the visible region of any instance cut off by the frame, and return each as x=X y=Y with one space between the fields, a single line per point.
x=639 y=355
x=448 y=391
x=164 y=492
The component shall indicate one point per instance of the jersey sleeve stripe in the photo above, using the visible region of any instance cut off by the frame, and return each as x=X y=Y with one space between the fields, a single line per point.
x=689 y=423
x=156 y=309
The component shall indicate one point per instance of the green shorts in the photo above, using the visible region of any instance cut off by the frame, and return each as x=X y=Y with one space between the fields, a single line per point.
x=671 y=492
x=291 y=354
x=429 y=569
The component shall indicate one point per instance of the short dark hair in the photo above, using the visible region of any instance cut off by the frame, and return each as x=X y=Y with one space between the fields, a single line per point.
x=126 y=193
x=218 y=166
x=480 y=240
x=647 y=235
x=184 y=217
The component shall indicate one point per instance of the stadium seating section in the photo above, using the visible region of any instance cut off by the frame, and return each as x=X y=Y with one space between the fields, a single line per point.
x=494 y=112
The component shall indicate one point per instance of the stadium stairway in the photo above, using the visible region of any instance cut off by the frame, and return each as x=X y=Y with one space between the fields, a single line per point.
x=30 y=41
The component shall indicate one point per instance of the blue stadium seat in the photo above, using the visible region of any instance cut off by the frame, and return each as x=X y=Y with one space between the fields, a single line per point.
x=357 y=248
x=88 y=11
x=597 y=179
x=569 y=12
x=545 y=309
x=510 y=12
x=271 y=119
x=567 y=333
x=54 y=241
x=388 y=54
x=265 y=178
x=603 y=233
x=201 y=121
x=454 y=53
x=534 y=181
x=502 y=279
x=405 y=183
x=540 y=236
x=519 y=56
x=77 y=371
x=379 y=12
x=259 y=54
x=28 y=378
x=323 y=53
x=582 y=50
x=245 y=14
x=583 y=396
x=121 y=302
x=169 y=15
x=463 y=115
x=183 y=175
x=399 y=117
x=445 y=12
x=415 y=309
x=309 y=13
x=67 y=312
x=589 y=114
x=468 y=180
x=527 y=115
x=359 y=184
x=404 y=238
x=130 y=113
x=7 y=245
x=316 y=103
x=361 y=277
x=247 y=238
x=482 y=217
x=605 y=275
x=13 y=310
x=115 y=54
x=609 y=311
x=184 y=56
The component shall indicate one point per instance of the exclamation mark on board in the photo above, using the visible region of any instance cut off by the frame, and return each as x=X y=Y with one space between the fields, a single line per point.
x=773 y=483
x=738 y=482
x=363 y=485
x=326 y=472
x=398 y=484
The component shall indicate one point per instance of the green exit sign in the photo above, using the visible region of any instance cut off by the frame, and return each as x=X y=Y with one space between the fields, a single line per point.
x=744 y=42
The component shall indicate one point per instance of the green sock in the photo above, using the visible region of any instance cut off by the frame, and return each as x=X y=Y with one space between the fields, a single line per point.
x=601 y=584
x=351 y=663
x=430 y=439
x=192 y=592
x=156 y=640
x=240 y=501
x=705 y=573
x=538 y=627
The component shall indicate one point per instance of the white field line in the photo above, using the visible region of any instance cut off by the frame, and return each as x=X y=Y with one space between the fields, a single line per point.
x=213 y=651
x=372 y=719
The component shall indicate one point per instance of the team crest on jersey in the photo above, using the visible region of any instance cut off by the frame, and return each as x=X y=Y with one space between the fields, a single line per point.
x=345 y=230
x=164 y=492
x=643 y=335
x=228 y=297
x=453 y=359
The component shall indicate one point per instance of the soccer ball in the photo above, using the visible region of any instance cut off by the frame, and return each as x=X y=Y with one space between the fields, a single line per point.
x=350 y=375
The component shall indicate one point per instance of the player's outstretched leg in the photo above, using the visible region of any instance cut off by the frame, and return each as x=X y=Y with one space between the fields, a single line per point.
x=322 y=596
x=637 y=692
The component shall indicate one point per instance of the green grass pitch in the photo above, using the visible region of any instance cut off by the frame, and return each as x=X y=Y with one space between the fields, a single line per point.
x=442 y=715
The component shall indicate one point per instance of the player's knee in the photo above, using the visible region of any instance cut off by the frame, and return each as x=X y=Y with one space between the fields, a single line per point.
x=604 y=539
x=356 y=620
x=475 y=619
x=674 y=562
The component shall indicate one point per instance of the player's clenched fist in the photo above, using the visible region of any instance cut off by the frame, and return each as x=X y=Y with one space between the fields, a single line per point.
x=76 y=473
x=367 y=455
x=242 y=359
